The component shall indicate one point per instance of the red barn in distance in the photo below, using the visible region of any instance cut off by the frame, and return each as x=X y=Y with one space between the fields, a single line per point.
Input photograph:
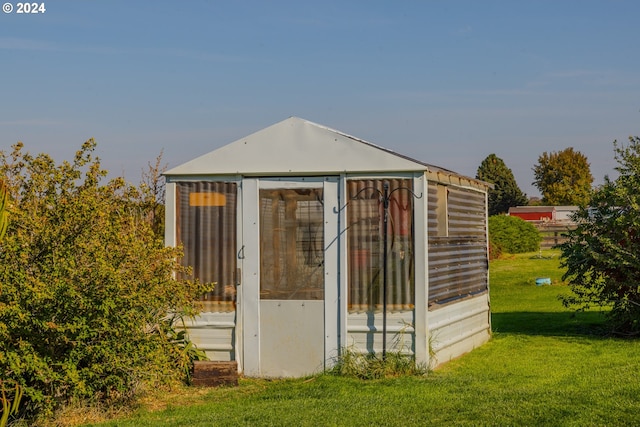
x=544 y=213
x=551 y=221
x=534 y=213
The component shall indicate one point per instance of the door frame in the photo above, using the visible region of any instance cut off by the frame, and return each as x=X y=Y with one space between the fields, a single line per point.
x=250 y=244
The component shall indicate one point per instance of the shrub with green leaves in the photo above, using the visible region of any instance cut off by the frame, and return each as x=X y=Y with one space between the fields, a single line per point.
x=602 y=255
x=87 y=289
x=513 y=235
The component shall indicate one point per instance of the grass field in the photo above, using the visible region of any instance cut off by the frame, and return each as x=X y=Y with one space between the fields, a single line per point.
x=544 y=366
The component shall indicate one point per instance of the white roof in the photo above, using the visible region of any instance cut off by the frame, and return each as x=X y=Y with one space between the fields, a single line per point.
x=297 y=146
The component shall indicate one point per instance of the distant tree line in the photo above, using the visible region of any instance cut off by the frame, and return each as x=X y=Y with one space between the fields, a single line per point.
x=602 y=254
x=563 y=178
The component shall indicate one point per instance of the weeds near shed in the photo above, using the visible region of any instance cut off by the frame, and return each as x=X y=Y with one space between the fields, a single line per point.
x=369 y=366
x=355 y=363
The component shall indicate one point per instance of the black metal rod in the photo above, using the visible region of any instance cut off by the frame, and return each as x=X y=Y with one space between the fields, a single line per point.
x=385 y=197
x=385 y=186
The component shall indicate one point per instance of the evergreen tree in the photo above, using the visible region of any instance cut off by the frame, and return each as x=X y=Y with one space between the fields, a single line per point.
x=563 y=178
x=506 y=192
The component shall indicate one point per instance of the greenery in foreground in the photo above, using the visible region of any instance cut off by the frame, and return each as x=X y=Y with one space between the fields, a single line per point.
x=85 y=289
x=545 y=365
x=602 y=255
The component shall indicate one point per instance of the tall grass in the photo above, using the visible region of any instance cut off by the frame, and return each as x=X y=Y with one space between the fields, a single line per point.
x=368 y=366
x=544 y=366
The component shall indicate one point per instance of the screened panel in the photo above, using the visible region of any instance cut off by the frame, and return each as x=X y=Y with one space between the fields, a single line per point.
x=458 y=263
x=365 y=241
x=291 y=244
x=206 y=228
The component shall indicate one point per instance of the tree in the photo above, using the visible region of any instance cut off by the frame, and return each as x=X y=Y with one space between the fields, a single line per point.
x=506 y=192
x=152 y=187
x=4 y=211
x=602 y=255
x=563 y=178
x=87 y=289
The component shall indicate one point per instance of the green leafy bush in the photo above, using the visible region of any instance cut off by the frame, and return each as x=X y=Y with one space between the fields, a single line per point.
x=495 y=250
x=87 y=289
x=602 y=255
x=513 y=235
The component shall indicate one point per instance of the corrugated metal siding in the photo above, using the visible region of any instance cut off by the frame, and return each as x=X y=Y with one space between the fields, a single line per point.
x=456 y=329
x=364 y=332
x=214 y=333
x=466 y=210
x=458 y=264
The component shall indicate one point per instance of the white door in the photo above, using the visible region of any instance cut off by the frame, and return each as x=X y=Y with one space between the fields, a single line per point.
x=296 y=287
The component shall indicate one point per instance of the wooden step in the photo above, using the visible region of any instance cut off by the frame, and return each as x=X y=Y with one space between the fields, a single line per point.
x=214 y=374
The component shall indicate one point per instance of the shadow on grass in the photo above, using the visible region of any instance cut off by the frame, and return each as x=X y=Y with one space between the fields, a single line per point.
x=550 y=323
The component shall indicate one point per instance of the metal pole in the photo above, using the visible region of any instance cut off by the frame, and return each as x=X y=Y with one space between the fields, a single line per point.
x=385 y=186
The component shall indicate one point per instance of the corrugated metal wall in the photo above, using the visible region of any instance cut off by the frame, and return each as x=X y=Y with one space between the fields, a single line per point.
x=364 y=332
x=458 y=264
x=458 y=269
x=456 y=329
x=215 y=334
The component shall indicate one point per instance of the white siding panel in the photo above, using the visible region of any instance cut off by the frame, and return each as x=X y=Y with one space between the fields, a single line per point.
x=458 y=328
x=291 y=338
x=364 y=332
x=214 y=333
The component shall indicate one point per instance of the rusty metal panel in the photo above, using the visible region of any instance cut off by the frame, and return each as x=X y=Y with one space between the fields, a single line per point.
x=458 y=263
x=432 y=215
x=456 y=268
x=466 y=213
x=466 y=210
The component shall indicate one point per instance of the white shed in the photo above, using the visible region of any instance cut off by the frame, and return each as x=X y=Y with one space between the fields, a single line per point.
x=290 y=224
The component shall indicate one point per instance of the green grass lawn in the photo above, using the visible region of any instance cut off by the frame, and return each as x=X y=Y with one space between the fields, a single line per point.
x=543 y=366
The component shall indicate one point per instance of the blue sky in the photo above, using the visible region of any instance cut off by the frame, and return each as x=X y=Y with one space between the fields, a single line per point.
x=445 y=82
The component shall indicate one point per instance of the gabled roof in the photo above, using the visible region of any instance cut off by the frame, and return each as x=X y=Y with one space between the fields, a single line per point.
x=299 y=147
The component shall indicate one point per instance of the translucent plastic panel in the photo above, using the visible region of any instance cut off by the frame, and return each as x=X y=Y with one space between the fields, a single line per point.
x=365 y=245
x=206 y=228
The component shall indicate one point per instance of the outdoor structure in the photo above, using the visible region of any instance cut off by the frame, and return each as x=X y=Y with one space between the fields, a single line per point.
x=319 y=241
x=553 y=222
x=544 y=213
x=534 y=213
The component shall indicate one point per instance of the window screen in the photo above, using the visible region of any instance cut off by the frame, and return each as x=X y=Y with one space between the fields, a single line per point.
x=291 y=244
x=206 y=228
x=365 y=241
